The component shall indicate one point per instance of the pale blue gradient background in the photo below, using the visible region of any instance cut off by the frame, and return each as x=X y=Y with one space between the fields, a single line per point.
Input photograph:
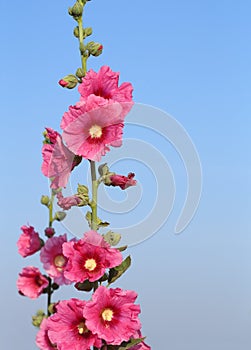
x=189 y=58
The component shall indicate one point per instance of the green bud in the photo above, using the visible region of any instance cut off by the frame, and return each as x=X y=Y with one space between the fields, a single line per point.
x=69 y=81
x=45 y=200
x=88 y=31
x=107 y=179
x=76 y=10
x=51 y=308
x=59 y=215
x=80 y=73
x=82 y=48
x=95 y=49
x=76 y=32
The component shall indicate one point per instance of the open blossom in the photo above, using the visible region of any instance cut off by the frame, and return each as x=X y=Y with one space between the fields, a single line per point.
x=67 y=202
x=42 y=339
x=92 y=132
x=31 y=282
x=67 y=328
x=105 y=84
x=53 y=259
x=58 y=160
x=28 y=242
x=89 y=257
x=112 y=314
x=123 y=181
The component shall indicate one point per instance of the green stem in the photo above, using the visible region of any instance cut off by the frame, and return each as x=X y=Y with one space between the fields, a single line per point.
x=49 y=297
x=94 y=223
x=51 y=209
x=81 y=42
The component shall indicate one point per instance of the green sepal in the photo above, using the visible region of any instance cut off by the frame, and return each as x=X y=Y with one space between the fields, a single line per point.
x=88 y=217
x=112 y=238
x=118 y=271
x=126 y=345
x=83 y=195
x=38 y=318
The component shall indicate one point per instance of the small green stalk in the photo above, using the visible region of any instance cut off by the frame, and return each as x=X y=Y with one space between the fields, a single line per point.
x=51 y=209
x=94 y=223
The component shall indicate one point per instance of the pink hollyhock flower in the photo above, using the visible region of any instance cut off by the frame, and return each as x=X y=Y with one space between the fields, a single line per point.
x=67 y=328
x=105 y=84
x=67 y=202
x=89 y=257
x=28 y=242
x=112 y=314
x=31 y=282
x=123 y=181
x=53 y=259
x=90 y=133
x=42 y=339
x=58 y=160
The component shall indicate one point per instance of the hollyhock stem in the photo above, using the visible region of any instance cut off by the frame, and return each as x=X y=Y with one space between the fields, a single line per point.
x=94 y=224
x=51 y=209
x=49 y=297
x=81 y=41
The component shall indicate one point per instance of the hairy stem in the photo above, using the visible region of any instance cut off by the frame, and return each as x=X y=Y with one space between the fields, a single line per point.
x=94 y=223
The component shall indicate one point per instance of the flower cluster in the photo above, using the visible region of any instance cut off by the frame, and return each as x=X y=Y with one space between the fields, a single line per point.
x=109 y=319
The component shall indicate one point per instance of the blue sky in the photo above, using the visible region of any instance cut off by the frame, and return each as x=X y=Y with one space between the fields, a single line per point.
x=190 y=59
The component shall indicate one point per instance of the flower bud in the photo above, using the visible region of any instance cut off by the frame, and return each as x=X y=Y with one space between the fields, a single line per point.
x=95 y=49
x=76 y=10
x=59 y=215
x=84 y=286
x=49 y=232
x=76 y=32
x=83 y=195
x=103 y=169
x=88 y=31
x=80 y=73
x=69 y=81
x=45 y=200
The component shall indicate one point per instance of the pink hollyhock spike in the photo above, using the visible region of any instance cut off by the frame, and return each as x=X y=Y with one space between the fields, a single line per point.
x=28 y=242
x=42 y=339
x=91 y=133
x=105 y=84
x=67 y=202
x=31 y=282
x=89 y=257
x=57 y=162
x=67 y=328
x=53 y=259
x=123 y=181
x=112 y=315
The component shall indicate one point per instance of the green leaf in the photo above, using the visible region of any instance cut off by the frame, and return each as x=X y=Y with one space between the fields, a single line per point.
x=121 y=249
x=101 y=223
x=112 y=238
x=118 y=271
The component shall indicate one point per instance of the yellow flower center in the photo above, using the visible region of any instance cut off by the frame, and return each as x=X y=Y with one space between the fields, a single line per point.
x=82 y=328
x=95 y=131
x=90 y=264
x=59 y=262
x=107 y=315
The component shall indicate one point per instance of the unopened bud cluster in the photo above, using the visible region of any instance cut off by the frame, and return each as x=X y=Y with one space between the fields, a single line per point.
x=92 y=48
